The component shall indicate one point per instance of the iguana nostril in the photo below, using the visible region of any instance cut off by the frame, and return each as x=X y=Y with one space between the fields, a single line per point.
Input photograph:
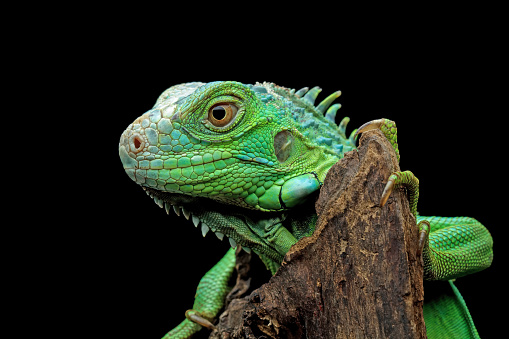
x=136 y=143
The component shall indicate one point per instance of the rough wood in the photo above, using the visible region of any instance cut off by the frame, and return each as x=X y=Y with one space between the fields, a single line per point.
x=358 y=276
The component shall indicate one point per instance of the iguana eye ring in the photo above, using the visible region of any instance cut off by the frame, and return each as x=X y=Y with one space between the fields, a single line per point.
x=222 y=114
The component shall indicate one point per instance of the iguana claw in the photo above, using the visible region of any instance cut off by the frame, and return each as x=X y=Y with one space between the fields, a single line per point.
x=373 y=124
x=199 y=319
x=387 y=190
x=424 y=228
x=387 y=127
x=407 y=180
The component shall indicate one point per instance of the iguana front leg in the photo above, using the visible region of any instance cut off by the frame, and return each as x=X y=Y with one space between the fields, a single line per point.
x=451 y=247
x=209 y=299
x=265 y=236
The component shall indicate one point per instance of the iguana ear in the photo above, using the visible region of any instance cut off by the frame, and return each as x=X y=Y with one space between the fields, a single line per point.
x=284 y=145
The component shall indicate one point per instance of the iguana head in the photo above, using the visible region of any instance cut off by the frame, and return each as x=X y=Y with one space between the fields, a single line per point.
x=260 y=147
x=235 y=158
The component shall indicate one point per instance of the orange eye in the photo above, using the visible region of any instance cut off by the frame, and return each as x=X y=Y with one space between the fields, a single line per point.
x=221 y=115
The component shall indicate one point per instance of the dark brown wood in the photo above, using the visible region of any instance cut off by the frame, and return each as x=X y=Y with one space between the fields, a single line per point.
x=357 y=276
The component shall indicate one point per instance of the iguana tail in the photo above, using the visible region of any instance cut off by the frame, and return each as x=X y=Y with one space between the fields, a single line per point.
x=445 y=312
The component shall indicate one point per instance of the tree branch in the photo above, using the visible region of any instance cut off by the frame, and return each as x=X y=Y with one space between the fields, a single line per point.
x=357 y=276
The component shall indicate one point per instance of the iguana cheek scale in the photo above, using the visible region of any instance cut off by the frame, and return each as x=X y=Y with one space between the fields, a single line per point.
x=243 y=160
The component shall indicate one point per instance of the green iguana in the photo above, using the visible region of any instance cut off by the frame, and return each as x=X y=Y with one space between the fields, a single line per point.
x=241 y=160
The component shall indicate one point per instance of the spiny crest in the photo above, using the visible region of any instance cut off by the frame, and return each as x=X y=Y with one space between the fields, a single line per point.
x=324 y=107
x=322 y=129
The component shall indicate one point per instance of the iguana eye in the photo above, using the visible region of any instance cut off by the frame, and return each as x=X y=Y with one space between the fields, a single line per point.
x=222 y=114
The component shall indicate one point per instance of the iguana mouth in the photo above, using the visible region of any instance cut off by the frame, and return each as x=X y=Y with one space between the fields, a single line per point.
x=222 y=221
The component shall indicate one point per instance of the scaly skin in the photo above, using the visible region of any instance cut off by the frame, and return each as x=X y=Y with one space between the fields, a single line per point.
x=210 y=294
x=242 y=160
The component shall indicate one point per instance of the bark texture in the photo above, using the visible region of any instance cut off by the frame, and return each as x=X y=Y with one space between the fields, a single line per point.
x=357 y=276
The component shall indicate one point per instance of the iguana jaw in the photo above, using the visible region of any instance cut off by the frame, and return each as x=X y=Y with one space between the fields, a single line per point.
x=251 y=229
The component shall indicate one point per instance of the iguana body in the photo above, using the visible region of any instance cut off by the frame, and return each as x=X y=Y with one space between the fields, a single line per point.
x=243 y=160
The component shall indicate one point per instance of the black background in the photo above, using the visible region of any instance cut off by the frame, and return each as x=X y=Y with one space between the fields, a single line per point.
x=121 y=256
